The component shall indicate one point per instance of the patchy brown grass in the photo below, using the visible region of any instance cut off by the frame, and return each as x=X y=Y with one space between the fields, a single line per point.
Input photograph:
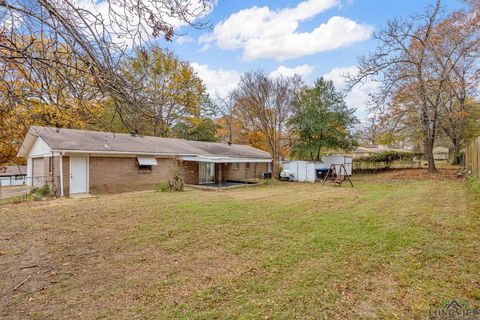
x=391 y=248
x=443 y=174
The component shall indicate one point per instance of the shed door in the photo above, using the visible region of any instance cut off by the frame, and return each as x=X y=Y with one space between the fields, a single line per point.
x=302 y=171
x=311 y=174
x=78 y=175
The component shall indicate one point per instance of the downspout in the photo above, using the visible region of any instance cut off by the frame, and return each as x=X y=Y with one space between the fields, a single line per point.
x=53 y=170
x=61 y=173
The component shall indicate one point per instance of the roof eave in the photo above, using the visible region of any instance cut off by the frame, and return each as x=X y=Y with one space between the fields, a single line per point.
x=27 y=143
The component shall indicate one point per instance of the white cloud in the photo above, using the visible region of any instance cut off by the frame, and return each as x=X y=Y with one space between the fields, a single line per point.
x=181 y=40
x=303 y=71
x=219 y=82
x=264 y=33
x=125 y=29
x=358 y=97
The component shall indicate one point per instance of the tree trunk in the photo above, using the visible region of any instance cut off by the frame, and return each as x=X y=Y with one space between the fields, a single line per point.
x=456 y=152
x=428 y=146
x=275 y=168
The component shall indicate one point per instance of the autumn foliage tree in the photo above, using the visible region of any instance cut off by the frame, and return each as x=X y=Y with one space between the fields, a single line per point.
x=171 y=90
x=34 y=32
x=42 y=97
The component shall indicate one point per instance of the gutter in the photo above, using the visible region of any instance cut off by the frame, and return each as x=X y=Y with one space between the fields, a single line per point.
x=190 y=157
x=123 y=152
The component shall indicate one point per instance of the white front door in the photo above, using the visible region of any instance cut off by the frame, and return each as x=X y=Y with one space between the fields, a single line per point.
x=78 y=175
x=206 y=172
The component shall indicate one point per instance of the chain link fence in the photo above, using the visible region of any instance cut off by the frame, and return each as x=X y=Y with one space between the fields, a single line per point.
x=21 y=187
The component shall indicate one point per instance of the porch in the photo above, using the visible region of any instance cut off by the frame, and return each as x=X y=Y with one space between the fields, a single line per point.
x=216 y=186
x=223 y=172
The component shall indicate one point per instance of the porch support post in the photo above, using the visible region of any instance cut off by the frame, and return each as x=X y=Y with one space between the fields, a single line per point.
x=220 y=174
x=61 y=172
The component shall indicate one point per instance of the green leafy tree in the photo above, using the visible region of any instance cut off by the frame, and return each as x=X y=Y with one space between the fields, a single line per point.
x=321 y=121
x=200 y=129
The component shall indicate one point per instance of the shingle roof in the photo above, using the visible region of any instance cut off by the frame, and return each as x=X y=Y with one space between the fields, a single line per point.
x=6 y=171
x=95 y=141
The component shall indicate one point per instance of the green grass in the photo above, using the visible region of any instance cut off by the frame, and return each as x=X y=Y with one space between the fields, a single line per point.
x=387 y=249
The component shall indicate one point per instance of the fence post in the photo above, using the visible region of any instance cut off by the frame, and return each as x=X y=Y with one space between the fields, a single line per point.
x=472 y=157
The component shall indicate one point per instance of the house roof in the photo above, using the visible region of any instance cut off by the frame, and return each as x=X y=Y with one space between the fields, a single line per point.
x=72 y=140
x=7 y=171
x=441 y=150
x=374 y=150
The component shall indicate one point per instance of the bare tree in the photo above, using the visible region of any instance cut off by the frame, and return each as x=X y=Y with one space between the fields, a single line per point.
x=266 y=104
x=408 y=59
x=460 y=32
x=224 y=108
x=475 y=4
x=370 y=131
x=41 y=33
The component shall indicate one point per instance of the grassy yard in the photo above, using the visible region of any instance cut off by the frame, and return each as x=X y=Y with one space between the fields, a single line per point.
x=390 y=248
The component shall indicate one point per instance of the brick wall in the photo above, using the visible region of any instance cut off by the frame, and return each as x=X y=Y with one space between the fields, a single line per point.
x=112 y=174
x=109 y=175
x=66 y=175
x=190 y=172
x=256 y=170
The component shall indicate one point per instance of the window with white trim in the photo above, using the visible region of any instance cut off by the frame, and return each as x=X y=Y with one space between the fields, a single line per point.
x=145 y=164
x=50 y=164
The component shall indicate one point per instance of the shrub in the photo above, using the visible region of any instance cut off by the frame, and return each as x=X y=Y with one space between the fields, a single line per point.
x=386 y=158
x=176 y=184
x=162 y=187
x=40 y=193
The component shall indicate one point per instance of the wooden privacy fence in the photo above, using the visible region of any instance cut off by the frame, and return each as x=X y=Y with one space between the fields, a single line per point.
x=472 y=157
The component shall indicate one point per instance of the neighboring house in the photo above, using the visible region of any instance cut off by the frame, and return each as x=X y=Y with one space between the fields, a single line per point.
x=12 y=175
x=441 y=153
x=362 y=152
x=80 y=161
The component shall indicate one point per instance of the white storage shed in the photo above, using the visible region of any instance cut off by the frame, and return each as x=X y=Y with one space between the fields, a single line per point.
x=327 y=161
x=303 y=171
x=306 y=171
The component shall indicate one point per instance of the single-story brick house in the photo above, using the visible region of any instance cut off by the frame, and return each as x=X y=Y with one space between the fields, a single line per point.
x=12 y=175
x=80 y=161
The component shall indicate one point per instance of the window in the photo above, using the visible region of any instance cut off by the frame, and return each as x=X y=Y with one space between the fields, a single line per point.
x=269 y=167
x=145 y=164
x=236 y=166
x=144 y=169
x=50 y=165
x=247 y=166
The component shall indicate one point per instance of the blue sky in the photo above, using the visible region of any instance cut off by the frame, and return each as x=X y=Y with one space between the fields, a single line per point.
x=313 y=38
